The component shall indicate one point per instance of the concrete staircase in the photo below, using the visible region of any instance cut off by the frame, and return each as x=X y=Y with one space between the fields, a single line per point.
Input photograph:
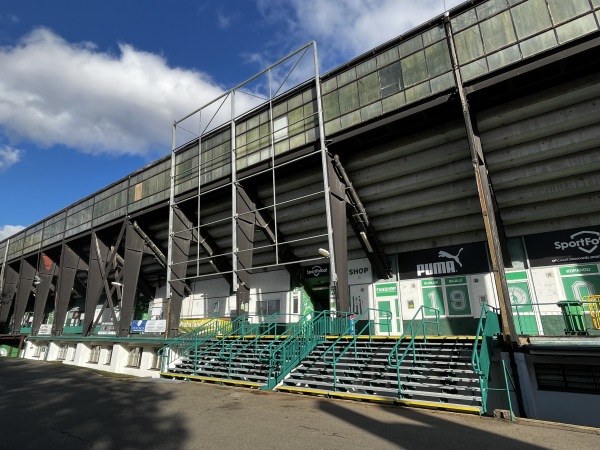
x=440 y=376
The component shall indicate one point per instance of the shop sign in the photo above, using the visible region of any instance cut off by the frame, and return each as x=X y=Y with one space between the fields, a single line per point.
x=386 y=290
x=156 y=326
x=581 y=245
x=359 y=271
x=444 y=261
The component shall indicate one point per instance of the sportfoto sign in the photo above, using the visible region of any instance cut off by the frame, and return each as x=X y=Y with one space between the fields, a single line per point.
x=444 y=261
x=564 y=247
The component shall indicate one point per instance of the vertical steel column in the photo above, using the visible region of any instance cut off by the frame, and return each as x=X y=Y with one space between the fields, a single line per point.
x=26 y=274
x=338 y=283
x=245 y=214
x=181 y=237
x=69 y=263
x=168 y=291
x=46 y=269
x=95 y=281
x=485 y=197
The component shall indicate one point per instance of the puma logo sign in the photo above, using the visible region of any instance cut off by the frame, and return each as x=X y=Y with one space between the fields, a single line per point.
x=443 y=254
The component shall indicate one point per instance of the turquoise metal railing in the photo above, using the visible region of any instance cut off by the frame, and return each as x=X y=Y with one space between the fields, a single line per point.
x=331 y=357
x=191 y=341
x=481 y=358
x=299 y=342
x=421 y=328
x=250 y=339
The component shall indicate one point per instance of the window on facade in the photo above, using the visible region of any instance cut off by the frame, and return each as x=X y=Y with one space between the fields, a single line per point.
x=62 y=352
x=108 y=356
x=267 y=307
x=565 y=377
x=95 y=354
x=135 y=357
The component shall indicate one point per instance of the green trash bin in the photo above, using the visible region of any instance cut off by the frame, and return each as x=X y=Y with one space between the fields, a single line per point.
x=572 y=311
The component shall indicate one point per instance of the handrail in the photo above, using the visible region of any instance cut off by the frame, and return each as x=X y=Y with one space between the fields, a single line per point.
x=304 y=337
x=487 y=328
x=193 y=339
x=411 y=344
x=352 y=343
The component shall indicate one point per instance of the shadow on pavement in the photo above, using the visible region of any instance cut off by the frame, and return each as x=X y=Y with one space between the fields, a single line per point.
x=45 y=405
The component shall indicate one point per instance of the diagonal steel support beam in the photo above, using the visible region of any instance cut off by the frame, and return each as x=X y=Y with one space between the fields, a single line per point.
x=360 y=223
x=46 y=270
x=9 y=287
x=26 y=274
x=494 y=229
x=70 y=262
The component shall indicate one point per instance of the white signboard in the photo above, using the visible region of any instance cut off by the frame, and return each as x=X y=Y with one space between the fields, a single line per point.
x=359 y=271
x=45 y=329
x=156 y=326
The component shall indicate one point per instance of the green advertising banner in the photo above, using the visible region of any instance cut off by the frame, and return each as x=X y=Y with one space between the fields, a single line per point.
x=579 y=286
x=458 y=300
x=386 y=290
x=434 y=298
x=520 y=297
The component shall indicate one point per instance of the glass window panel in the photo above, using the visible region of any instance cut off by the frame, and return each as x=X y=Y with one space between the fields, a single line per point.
x=281 y=128
x=348 y=98
x=295 y=102
x=504 y=57
x=295 y=122
x=418 y=92
x=329 y=85
x=469 y=45
x=463 y=21
x=333 y=126
x=474 y=69
x=433 y=35
x=298 y=140
x=596 y=3
x=350 y=119
x=253 y=122
x=531 y=17
x=393 y=102
x=443 y=82
x=438 y=58
x=497 y=32
x=387 y=57
x=280 y=109
x=491 y=7
x=370 y=111
x=368 y=89
x=331 y=106
x=309 y=95
x=414 y=68
x=391 y=79
x=410 y=46
x=367 y=67
x=538 y=43
x=282 y=147
x=562 y=10
x=576 y=28
x=347 y=76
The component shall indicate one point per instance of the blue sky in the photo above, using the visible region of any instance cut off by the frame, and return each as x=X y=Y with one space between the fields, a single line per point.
x=89 y=90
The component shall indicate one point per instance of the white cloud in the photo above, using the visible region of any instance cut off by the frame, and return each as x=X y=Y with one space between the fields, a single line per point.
x=350 y=27
x=8 y=157
x=56 y=92
x=8 y=230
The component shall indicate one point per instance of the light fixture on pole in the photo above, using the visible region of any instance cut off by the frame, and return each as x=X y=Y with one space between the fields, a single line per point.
x=324 y=252
x=116 y=283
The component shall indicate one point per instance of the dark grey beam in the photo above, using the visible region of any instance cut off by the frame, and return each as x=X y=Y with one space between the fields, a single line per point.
x=134 y=249
x=180 y=250
x=26 y=274
x=46 y=270
x=9 y=287
x=337 y=198
x=489 y=208
x=360 y=223
x=219 y=262
x=69 y=264
x=245 y=223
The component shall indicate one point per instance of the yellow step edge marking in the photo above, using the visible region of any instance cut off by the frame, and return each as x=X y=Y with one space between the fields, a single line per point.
x=362 y=397
x=447 y=406
x=214 y=380
x=304 y=390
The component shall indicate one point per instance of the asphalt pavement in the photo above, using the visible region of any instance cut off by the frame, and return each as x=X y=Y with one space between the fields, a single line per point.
x=55 y=406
